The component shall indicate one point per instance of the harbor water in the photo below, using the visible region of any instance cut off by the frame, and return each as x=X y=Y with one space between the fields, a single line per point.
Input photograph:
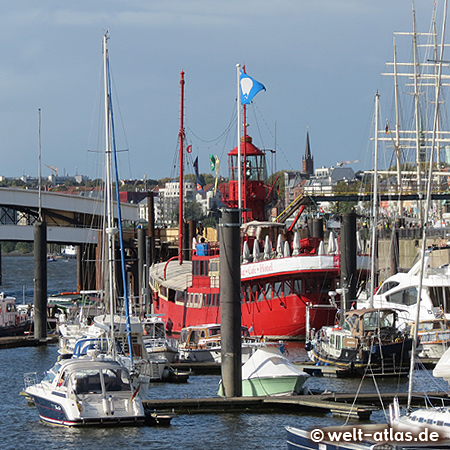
x=21 y=427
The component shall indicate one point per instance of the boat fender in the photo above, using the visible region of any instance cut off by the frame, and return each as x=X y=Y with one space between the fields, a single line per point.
x=106 y=406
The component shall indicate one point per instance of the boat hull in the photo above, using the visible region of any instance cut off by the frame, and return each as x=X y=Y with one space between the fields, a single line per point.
x=393 y=357
x=273 y=319
x=15 y=330
x=279 y=386
x=54 y=412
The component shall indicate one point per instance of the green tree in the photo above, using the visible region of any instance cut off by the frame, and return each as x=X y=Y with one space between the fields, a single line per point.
x=193 y=211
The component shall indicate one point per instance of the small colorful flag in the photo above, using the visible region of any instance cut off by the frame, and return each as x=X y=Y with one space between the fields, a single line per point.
x=199 y=183
x=249 y=88
x=212 y=162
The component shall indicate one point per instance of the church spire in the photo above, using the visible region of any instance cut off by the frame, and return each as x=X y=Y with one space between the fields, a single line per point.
x=308 y=160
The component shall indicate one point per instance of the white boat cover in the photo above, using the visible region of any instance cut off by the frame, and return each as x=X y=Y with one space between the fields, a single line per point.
x=268 y=362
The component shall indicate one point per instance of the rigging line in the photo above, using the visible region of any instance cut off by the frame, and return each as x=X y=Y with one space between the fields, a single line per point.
x=258 y=127
x=221 y=135
x=119 y=218
x=122 y=123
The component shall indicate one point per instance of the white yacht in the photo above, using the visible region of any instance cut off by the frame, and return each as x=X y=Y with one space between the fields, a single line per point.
x=86 y=391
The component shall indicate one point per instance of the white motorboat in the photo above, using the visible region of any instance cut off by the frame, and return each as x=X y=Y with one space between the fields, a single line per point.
x=269 y=373
x=399 y=291
x=156 y=342
x=12 y=321
x=202 y=343
x=434 y=338
x=86 y=391
x=74 y=326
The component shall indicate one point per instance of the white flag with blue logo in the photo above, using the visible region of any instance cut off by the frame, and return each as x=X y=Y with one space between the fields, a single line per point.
x=249 y=88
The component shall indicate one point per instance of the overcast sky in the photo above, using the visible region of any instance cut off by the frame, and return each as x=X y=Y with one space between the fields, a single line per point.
x=319 y=60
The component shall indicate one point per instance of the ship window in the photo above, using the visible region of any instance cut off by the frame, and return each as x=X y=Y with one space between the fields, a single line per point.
x=440 y=423
x=180 y=296
x=298 y=287
x=254 y=294
x=208 y=299
x=171 y=297
x=260 y=294
x=387 y=286
x=277 y=288
x=163 y=291
x=114 y=381
x=406 y=297
x=268 y=291
x=440 y=296
x=214 y=265
x=286 y=288
x=338 y=342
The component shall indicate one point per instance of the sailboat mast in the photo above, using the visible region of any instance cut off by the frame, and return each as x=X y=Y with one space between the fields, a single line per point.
x=427 y=208
x=375 y=202
x=416 y=109
x=180 y=204
x=110 y=230
x=397 y=134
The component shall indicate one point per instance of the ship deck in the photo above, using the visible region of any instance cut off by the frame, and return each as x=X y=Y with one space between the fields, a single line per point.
x=178 y=276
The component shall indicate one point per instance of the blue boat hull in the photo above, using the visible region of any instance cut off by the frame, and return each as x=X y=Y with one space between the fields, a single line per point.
x=54 y=413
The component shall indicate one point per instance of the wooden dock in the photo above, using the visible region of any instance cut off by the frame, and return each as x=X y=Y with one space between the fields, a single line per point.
x=342 y=405
x=337 y=372
x=25 y=341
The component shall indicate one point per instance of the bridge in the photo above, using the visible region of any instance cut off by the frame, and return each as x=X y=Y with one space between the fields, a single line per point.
x=314 y=198
x=71 y=219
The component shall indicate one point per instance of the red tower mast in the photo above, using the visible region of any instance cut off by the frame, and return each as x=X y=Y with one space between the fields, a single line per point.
x=180 y=205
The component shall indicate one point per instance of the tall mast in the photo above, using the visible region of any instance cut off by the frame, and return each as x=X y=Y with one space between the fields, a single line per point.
x=416 y=108
x=110 y=229
x=397 y=135
x=244 y=183
x=180 y=204
x=239 y=170
x=375 y=202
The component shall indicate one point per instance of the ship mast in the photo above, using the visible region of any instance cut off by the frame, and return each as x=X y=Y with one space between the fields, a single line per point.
x=239 y=171
x=111 y=231
x=181 y=136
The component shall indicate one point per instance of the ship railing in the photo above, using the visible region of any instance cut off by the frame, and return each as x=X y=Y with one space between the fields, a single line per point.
x=30 y=379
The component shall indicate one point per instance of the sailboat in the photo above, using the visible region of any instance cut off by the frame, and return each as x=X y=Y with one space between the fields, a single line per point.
x=102 y=384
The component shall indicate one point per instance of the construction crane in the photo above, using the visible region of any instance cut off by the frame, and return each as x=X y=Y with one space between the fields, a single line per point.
x=55 y=169
x=340 y=164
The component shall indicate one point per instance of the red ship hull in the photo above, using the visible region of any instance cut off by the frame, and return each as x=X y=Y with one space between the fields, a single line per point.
x=275 y=295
